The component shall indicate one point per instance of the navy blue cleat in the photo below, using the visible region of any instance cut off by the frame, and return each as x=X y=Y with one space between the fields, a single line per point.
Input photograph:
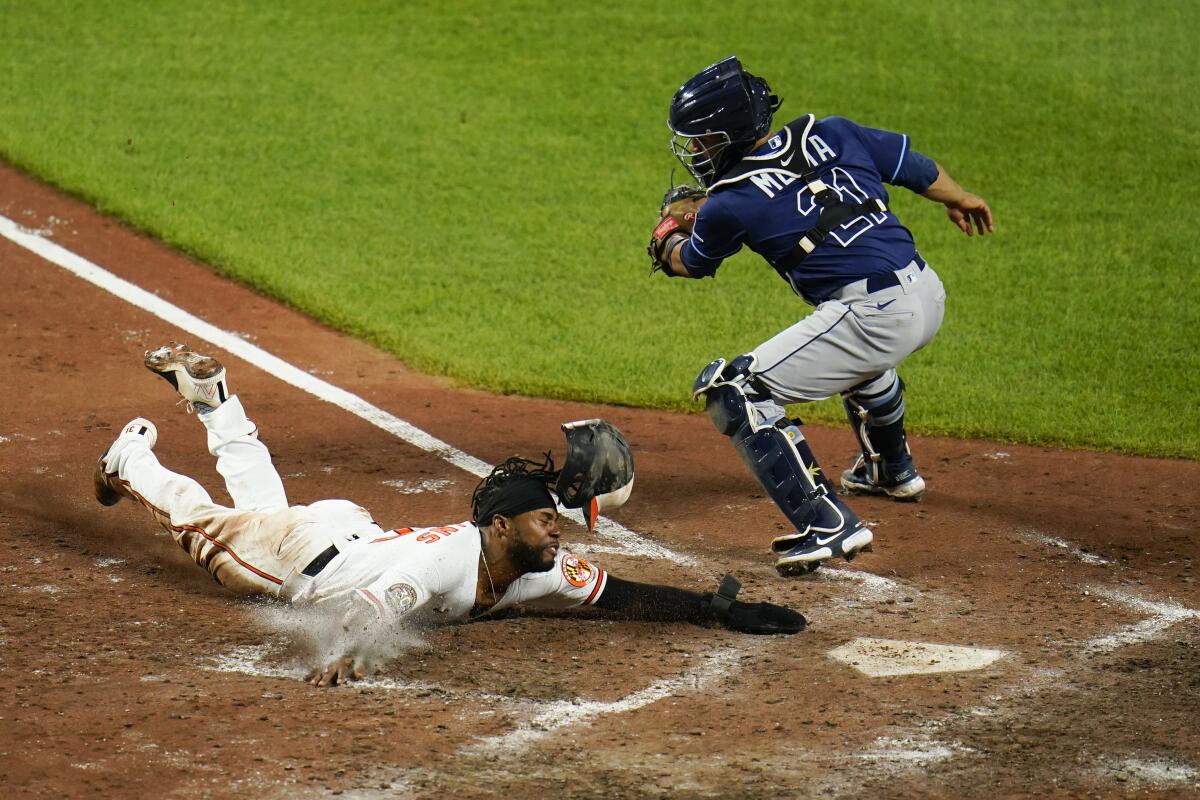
x=899 y=482
x=800 y=554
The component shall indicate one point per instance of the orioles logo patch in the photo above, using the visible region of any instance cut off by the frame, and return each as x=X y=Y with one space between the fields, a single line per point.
x=577 y=571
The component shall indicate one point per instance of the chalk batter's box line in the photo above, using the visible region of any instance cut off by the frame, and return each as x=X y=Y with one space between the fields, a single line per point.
x=629 y=542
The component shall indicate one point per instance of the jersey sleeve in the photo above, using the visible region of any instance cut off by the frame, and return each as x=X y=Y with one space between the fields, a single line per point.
x=886 y=149
x=572 y=581
x=717 y=235
x=892 y=155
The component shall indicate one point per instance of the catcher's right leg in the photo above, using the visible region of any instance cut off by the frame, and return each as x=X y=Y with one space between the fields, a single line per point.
x=780 y=459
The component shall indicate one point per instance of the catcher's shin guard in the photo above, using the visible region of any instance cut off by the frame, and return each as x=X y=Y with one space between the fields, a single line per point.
x=875 y=410
x=780 y=459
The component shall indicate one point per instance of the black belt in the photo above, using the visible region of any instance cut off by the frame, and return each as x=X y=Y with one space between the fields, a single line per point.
x=320 y=562
x=888 y=279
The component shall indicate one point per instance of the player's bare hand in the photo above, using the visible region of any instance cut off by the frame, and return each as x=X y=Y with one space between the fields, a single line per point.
x=970 y=213
x=344 y=669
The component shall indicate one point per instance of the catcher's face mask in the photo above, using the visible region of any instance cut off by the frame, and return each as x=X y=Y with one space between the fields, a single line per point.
x=716 y=117
x=701 y=154
x=598 y=473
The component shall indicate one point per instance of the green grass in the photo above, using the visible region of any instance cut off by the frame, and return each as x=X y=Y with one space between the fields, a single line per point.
x=472 y=188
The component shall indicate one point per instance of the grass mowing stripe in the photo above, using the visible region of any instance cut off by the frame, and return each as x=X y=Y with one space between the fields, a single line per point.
x=472 y=188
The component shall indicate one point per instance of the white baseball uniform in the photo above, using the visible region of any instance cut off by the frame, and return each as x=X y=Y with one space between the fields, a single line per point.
x=263 y=546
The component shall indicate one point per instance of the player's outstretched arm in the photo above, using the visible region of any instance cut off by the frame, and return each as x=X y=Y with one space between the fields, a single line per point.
x=653 y=602
x=968 y=211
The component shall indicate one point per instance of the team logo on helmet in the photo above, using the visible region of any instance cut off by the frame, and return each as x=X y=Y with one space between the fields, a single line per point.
x=577 y=571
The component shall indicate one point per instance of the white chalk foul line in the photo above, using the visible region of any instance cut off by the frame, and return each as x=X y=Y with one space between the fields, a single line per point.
x=630 y=542
x=1053 y=541
x=872 y=586
x=1161 y=615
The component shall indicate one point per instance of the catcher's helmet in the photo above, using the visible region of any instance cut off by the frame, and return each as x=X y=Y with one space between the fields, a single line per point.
x=727 y=106
x=598 y=472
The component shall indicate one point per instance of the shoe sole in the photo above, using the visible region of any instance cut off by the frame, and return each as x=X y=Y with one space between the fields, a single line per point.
x=861 y=541
x=908 y=492
x=172 y=358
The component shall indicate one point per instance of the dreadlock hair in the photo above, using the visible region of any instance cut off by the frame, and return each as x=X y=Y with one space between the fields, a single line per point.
x=489 y=495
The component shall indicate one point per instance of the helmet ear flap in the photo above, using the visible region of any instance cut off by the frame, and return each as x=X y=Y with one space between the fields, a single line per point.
x=598 y=471
x=608 y=500
x=763 y=102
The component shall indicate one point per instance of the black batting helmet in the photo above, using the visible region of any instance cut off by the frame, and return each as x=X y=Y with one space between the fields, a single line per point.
x=598 y=472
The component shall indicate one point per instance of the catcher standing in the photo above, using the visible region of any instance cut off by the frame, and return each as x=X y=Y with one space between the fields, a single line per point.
x=809 y=198
x=332 y=555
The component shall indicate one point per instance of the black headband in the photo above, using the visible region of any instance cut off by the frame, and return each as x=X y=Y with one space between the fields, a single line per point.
x=517 y=496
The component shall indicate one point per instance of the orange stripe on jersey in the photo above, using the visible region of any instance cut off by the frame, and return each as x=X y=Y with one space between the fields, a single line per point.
x=202 y=532
x=596 y=588
x=144 y=501
x=396 y=534
x=228 y=550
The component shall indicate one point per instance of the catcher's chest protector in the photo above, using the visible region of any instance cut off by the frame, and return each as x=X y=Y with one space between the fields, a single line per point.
x=792 y=163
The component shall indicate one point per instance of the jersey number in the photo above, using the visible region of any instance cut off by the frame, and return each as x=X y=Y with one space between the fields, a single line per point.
x=842 y=183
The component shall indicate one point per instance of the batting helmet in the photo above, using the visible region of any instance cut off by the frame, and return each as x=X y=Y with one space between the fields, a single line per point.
x=598 y=472
x=717 y=116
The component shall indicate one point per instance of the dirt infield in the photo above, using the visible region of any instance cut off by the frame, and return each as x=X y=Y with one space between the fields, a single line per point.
x=130 y=674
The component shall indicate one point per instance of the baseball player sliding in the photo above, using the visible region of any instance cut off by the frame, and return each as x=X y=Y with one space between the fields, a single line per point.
x=332 y=555
x=809 y=197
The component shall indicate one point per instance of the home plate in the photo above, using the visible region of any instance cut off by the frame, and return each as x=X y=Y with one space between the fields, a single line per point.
x=882 y=657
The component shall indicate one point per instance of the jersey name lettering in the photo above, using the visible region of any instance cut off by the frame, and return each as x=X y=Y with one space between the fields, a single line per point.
x=823 y=151
x=770 y=183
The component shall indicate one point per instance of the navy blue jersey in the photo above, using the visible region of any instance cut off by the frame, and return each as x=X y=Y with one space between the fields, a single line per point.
x=770 y=211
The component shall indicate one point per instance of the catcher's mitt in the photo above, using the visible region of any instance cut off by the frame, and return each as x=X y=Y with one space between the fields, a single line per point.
x=677 y=217
x=681 y=203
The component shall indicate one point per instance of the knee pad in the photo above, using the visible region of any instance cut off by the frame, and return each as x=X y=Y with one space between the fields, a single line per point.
x=730 y=391
x=727 y=409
